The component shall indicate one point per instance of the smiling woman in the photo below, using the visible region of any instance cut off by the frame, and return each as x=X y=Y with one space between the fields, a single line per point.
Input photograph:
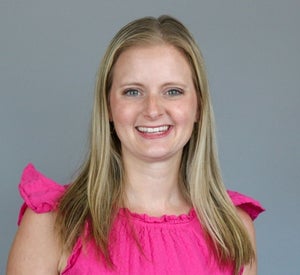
x=149 y=198
x=154 y=107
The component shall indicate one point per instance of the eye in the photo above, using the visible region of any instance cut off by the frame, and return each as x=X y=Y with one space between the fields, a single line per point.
x=132 y=92
x=174 y=92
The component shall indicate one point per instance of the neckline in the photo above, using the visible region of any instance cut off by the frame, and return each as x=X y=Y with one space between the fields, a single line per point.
x=166 y=218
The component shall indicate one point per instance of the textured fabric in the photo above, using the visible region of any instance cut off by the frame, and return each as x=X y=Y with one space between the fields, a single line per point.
x=169 y=244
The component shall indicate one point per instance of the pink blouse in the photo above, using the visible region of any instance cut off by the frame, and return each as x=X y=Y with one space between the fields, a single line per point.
x=170 y=244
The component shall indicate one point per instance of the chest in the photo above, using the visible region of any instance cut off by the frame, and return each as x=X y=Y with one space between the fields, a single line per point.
x=148 y=248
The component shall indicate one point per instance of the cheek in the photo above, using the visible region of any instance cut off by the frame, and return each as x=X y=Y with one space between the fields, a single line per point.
x=115 y=109
x=110 y=108
x=196 y=110
x=188 y=112
x=121 y=115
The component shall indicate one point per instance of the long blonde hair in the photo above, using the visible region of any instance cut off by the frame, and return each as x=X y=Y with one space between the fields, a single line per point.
x=96 y=193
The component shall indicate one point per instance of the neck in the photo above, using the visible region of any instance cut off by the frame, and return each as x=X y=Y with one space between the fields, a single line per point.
x=153 y=188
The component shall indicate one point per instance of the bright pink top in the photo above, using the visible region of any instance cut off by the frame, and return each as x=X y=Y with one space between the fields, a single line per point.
x=171 y=244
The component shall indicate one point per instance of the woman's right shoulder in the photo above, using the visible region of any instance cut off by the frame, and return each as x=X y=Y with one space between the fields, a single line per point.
x=39 y=193
x=36 y=248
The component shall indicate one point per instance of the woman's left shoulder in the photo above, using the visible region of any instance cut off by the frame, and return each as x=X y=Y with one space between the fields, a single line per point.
x=248 y=210
x=249 y=206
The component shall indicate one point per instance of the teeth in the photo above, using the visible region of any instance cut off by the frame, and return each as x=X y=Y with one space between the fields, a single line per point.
x=153 y=130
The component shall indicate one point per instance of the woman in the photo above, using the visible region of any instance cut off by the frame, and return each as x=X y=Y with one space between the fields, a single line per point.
x=149 y=198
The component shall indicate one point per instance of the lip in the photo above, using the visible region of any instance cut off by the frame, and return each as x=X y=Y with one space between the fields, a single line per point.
x=153 y=132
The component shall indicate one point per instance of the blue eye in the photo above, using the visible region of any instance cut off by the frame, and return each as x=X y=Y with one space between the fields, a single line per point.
x=131 y=92
x=174 y=92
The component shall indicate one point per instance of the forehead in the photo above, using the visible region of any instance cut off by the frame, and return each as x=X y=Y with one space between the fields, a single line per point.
x=160 y=59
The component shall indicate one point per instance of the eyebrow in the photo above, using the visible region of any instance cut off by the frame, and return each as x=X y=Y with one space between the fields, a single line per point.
x=131 y=84
x=167 y=84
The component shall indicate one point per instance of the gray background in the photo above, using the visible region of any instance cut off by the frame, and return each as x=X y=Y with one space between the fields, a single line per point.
x=49 y=53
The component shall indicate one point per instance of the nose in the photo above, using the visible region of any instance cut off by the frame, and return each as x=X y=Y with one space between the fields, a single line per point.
x=153 y=107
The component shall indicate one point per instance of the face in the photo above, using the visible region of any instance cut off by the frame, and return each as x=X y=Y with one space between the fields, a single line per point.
x=153 y=102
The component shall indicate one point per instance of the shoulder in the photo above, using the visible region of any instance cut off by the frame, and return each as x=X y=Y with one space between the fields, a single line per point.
x=250 y=206
x=35 y=249
x=248 y=223
x=248 y=210
x=40 y=194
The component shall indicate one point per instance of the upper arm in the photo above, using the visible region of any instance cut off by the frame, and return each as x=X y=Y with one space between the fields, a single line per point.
x=35 y=249
x=250 y=269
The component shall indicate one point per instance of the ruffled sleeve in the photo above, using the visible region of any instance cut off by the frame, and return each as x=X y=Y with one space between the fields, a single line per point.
x=252 y=207
x=38 y=192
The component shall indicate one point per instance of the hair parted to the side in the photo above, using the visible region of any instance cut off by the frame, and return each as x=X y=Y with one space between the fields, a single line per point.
x=97 y=192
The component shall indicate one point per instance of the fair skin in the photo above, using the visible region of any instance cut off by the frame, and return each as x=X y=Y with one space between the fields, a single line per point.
x=153 y=108
x=35 y=249
x=248 y=223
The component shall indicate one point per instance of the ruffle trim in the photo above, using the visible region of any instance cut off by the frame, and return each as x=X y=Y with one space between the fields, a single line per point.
x=38 y=192
x=252 y=207
x=173 y=219
x=41 y=194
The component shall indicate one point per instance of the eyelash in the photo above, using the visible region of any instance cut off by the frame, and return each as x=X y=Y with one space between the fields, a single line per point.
x=131 y=92
x=170 y=92
x=174 y=92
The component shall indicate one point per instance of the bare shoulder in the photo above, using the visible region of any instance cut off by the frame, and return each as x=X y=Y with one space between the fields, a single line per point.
x=249 y=225
x=35 y=249
x=248 y=222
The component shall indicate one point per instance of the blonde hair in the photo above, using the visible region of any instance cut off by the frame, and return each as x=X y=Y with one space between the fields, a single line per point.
x=97 y=192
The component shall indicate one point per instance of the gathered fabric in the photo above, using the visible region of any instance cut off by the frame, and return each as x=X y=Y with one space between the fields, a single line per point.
x=138 y=243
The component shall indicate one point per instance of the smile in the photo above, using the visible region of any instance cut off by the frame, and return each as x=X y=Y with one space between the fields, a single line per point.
x=153 y=130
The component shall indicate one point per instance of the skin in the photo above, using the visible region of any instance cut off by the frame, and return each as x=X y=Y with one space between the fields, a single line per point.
x=35 y=249
x=250 y=269
x=158 y=94
x=144 y=98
